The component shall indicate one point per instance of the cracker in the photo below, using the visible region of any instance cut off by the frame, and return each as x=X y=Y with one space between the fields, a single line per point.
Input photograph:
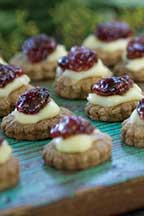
x=9 y=173
x=110 y=114
x=38 y=71
x=132 y=134
x=110 y=59
x=35 y=131
x=64 y=87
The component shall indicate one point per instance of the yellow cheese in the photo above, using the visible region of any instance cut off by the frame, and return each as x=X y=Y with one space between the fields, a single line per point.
x=75 y=143
x=94 y=43
x=98 y=70
x=135 y=64
x=59 y=52
x=2 y=61
x=133 y=93
x=91 y=42
x=15 y=84
x=49 y=111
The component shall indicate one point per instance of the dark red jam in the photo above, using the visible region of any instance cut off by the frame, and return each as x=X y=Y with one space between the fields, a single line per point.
x=135 y=48
x=78 y=59
x=140 y=108
x=8 y=73
x=33 y=100
x=112 y=31
x=71 y=125
x=112 y=86
x=37 y=48
x=1 y=140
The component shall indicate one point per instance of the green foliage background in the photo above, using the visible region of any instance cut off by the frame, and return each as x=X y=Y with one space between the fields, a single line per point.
x=70 y=21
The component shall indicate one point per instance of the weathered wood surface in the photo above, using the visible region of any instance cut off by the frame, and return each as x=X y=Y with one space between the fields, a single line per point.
x=113 y=187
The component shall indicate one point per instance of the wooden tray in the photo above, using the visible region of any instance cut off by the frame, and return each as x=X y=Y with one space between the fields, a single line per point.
x=111 y=188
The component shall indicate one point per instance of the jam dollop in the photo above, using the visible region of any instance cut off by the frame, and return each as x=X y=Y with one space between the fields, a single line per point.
x=112 y=86
x=112 y=31
x=71 y=125
x=38 y=47
x=135 y=48
x=8 y=73
x=78 y=59
x=140 y=109
x=33 y=100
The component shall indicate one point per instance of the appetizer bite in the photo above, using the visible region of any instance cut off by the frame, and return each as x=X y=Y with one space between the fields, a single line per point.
x=76 y=145
x=35 y=114
x=77 y=71
x=2 y=61
x=133 y=63
x=110 y=40
x=13 y=82
x=113 y=99
x=39 y=57
x=9 y=166
x=132 y=128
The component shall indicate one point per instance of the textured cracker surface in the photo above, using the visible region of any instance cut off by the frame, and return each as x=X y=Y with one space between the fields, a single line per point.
x=79 y=90
x=39 y=71
x=111 y=114
x=132 y=134
x=9 y=173
x=110 y=59
x=98 y=153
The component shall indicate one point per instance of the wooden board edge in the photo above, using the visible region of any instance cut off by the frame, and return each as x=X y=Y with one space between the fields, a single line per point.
x=100 y=201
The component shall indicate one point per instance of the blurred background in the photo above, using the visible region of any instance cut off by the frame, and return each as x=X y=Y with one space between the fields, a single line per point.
x=70 y=21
